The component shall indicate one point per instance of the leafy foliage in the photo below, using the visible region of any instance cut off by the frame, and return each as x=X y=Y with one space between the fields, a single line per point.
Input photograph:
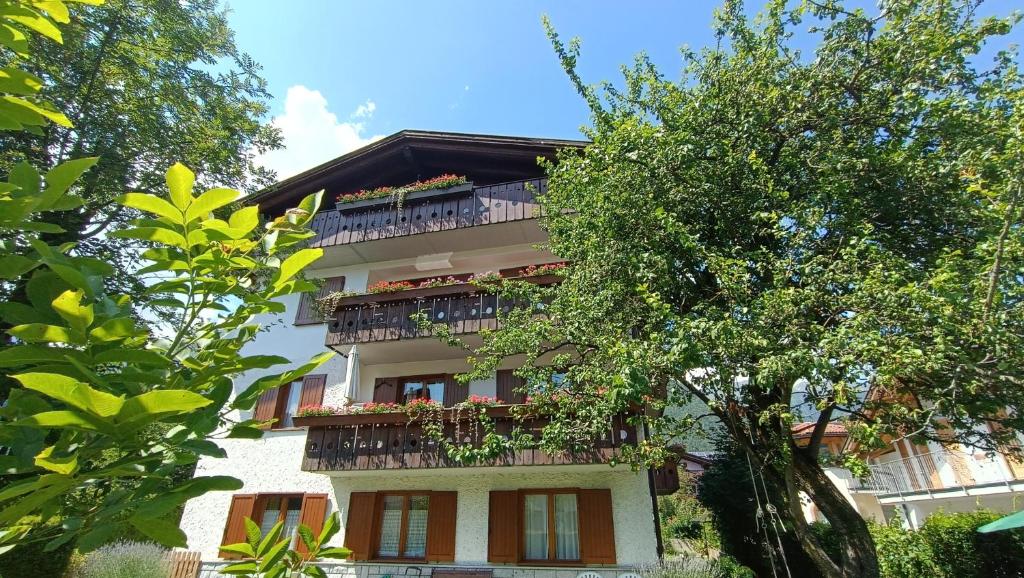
x=126 y=560
x=270 y=556
x=95 y=384
x=777 y=233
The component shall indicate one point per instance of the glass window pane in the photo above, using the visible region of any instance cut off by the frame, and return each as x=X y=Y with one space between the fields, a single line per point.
x=412 y=390
x=435 y=390
x=567 y=535
x=416 y=535
x=270 y=515
x=291 y=519
x=535 y=522
x=390 y=527
x=293 y=404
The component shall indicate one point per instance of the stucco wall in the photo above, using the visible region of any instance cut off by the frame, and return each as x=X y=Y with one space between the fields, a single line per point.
x=272 y=464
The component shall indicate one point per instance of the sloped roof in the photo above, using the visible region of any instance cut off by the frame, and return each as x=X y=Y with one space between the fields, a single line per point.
x=806 y=428
x=411 y=155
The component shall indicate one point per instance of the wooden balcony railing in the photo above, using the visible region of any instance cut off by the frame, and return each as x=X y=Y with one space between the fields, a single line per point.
x=389 y=317
x=501 y=203
x=392 y=442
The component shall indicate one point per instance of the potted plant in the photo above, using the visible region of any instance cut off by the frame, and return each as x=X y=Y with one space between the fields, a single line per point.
x=440 y=185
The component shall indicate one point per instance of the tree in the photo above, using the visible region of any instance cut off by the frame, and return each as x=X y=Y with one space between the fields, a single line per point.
x=777 y=233
x=146 y=83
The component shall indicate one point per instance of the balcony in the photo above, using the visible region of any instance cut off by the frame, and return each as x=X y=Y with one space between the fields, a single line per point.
x=478 y=217
x=383 y=318
x=939 y=473
x=391 y=441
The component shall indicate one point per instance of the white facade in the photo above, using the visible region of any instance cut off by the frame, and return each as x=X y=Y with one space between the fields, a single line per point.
x=273 y=464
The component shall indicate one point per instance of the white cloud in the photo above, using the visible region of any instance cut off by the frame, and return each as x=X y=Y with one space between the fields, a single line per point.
x=312 y=133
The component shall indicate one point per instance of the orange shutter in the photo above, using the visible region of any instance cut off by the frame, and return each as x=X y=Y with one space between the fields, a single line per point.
x=385 y=389
x=597 y=531
x=266 y=405
x=503 y=527
x=314 y=508
x=510 y=387
x=312 y=390
x=441 y=527
x=234 y=529
x=360 y=523
x=454 y=392
x=308 y=312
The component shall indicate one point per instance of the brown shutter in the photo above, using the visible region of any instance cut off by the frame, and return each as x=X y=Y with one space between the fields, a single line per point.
x=266 y=405
x=359 y=524
x=385 y=389
x=454 y=392
x=510 y=387
x=307 y=312
x=312 y=390
x=441 y=527
x=503 y=527
x=597 y=532
x=234 y=529
x=314 y=508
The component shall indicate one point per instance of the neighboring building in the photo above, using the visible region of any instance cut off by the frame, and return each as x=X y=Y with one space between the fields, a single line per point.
x=911 y=481
x=406 y=509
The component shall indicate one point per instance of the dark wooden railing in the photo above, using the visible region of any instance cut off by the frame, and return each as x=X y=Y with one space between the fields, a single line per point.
x=392 y=442
x=389 y=317
x=501 y=203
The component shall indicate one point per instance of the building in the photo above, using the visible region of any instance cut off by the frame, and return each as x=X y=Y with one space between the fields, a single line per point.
x=911 y=481
x=406 y=508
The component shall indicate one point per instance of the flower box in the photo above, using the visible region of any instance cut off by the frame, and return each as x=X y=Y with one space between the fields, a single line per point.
x=409 y=198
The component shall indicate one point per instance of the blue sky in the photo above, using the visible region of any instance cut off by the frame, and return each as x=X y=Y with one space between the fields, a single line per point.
x=344 y=73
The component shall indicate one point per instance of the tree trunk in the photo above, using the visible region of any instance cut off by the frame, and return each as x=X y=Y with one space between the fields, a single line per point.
x=857 y=547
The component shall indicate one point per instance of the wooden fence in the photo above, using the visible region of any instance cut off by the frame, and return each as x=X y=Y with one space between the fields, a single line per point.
x=183 y=564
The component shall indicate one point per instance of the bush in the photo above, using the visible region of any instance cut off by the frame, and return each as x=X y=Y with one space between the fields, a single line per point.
x=126 y=560
x=30 y=561
x=902 y=553
x=959 y=550
x=725 y=567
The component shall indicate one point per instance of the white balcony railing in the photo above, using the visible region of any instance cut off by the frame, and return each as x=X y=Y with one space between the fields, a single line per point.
x=935 y=471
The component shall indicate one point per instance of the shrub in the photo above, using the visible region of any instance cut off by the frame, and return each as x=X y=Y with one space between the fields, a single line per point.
x=725 y=567
x=30 y=561
x=960 y=551
x=902 y=553
x=126 y=560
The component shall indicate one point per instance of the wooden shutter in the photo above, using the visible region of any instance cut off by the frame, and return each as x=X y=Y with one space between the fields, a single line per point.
x=441 y=527
x=385 y=389
x=597 y=531
x=510 y=387
x=307 y=312
x=503 y=527
x=454 y=392
x=234 y=529
x=312 y=390
x=360 y=523
x=266 y=405
x=314 y=508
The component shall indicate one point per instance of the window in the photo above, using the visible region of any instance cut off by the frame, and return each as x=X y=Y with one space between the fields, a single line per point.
x=272 y=509
x=423 y=388
x=403 y=526
x=550 y=526
x=282 y=403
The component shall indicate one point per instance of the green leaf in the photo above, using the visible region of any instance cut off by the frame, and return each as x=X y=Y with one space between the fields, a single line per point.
x=152 y=404
x=240 y=548
x=180 y=181
x=240 y=568
x=114 y=329
x=43 y=333
x=60 y=178
x=66 y=465
x=336 y=553
x=152 y=204
x=245 y=432
x=164 y=532
x=154 y=234
x=306 y=535
x=62 y=419
x=314 y=571
x=331 y=527
x=269 y=540
x=69 y=306
x=14 y=266
x=133 y=356
x=210 y=201
x=248 y=398
x=272 y=556
x=72 y=392
x=245 y=219
x=24 y=354
x=295 y=263
x=252 y=533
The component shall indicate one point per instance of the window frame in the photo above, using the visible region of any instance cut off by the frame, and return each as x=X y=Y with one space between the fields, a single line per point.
x=403 y=529
x=400 y=394
x=551 y=560
x=259 y=507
